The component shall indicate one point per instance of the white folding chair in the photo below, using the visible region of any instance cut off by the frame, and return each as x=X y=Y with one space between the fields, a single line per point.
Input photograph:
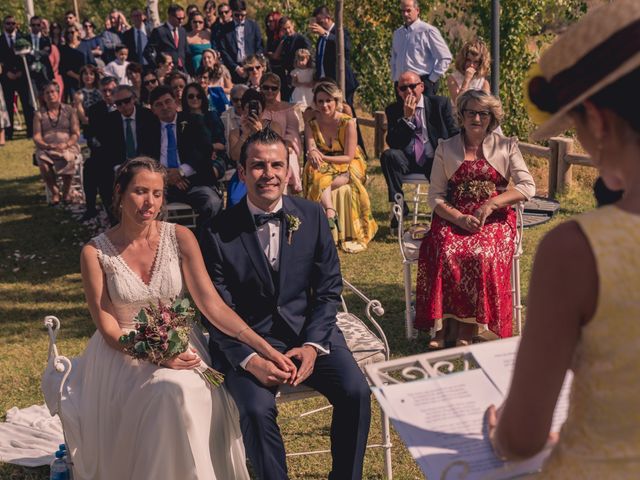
x=77 y=182
x=182 y=214
x=410 y=250
x=367 y=347
x=419 y=196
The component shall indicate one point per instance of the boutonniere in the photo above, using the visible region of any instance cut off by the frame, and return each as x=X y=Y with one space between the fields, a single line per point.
x=183 y=125
x=293 y=224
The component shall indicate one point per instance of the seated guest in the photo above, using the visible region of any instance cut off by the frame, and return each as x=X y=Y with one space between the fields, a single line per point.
x=415 y=124
x=211 y=81
x=165 y=67
x=55 y=133
x=194 y=102
x=334 y=160
x=98 y=168
x=134 y=75
x=176 y=81
x=118 y=67
x=584 y=301
x=252 y=105
x=283 y=114
x=149 y=83
x=471 y=69
x=182 y=143
x=464 y=270
x=211 y=58
x=231 y=116
x=254 y=67
x=124 y=127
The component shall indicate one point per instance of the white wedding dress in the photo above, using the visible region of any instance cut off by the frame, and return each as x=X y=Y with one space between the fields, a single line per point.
x=130 y=419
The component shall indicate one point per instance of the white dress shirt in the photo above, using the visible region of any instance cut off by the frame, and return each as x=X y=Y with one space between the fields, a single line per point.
x=421 y=49
x=429 y=151
x=186 y=169
x=269 y=239
x=240 y=42
x=35 y=41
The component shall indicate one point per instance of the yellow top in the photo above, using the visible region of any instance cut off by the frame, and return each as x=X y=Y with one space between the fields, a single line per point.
x=601 y=437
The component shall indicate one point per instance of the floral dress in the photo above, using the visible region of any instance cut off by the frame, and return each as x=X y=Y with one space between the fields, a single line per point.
x=356 y=224
x=464 y=275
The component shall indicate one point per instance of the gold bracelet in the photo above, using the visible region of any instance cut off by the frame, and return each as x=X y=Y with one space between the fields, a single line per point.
x=237 y=335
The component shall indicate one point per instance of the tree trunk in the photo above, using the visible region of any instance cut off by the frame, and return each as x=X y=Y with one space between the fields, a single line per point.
x=28 y=9
x=152 y=13
x=340 y=59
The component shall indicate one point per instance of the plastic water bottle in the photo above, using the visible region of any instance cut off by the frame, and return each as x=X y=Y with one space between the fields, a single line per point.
x=63 y=448
x=59 y=467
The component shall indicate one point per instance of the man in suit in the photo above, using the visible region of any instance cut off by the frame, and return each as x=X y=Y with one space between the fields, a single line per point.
x=237 y=40
x=98 y=169
x=182 y=143
x=273 y=260
x=41 y=70
x=125 y=126
x=415 y=124
x=136 y=37
x=169 y=38
x=13 y=77
x=326 y=65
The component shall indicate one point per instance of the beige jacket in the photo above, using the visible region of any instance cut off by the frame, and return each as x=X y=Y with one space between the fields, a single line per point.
x=501 y=152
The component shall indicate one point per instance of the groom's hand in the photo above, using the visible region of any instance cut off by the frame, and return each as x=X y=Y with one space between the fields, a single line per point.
x=307 y=356
x=266 y=371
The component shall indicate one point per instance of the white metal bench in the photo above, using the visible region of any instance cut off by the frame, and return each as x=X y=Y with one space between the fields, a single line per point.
x=182 y=214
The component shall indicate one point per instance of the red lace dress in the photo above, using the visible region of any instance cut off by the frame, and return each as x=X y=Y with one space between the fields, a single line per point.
x=463 y=275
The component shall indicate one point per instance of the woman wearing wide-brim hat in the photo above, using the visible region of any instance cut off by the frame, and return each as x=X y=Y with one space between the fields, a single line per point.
x=584 y=298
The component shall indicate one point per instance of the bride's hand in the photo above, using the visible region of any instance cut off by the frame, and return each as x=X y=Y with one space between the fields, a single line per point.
x=185 y=361
x=283 y=362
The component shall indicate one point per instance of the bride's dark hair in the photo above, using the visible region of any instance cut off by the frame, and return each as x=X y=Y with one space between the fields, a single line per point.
x=125 y=174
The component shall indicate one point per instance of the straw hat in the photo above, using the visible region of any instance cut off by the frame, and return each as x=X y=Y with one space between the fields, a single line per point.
x=601 y=48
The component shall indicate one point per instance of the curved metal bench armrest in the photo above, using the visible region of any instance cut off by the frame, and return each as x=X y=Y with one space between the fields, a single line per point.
x=372 y=307
x=61 y=363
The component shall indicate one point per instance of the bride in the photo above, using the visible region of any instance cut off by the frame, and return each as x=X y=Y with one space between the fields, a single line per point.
x=127 y=418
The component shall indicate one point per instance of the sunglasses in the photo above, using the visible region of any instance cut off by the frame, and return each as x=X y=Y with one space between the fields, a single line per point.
x=198 y=22
x=251 y=69
x=180 y=19
x=412 y=86
x=9 y=23
x=224 y=12
x=194 y=96
x=150 y=82
x=269 y=88
x=124 y=101
x=36 y=24
x=471 y=114
x=88 y=25
x=239 y=15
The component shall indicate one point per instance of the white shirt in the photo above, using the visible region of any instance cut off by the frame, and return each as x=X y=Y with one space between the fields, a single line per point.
x=421 y=49
x=11 y=37
x=118 y=70
x=186 y=169
x=240 y=42
x=269 y=239
x=35 y=41
x=428 y=148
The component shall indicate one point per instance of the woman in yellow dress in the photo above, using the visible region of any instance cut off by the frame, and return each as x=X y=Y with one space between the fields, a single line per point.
x=333 y=161
x=584 y=296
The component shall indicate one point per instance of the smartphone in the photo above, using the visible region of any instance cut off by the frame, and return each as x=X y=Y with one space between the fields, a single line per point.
x=254 y=108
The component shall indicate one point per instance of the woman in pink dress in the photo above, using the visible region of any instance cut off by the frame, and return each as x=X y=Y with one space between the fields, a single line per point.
x=54 y=57
x=464 y=267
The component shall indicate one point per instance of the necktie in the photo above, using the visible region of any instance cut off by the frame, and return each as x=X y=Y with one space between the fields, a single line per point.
x=320 y=56
x=176 y=42
x=130 y=141
x=11 y=40
x=139 y=45
x=418 y=143
x=263 y=218
x=172 y=147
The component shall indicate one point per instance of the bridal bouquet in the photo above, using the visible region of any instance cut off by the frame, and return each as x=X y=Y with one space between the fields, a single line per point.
x=162 y=332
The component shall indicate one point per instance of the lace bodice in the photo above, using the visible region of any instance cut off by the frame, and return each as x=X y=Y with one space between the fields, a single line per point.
x=127 y=290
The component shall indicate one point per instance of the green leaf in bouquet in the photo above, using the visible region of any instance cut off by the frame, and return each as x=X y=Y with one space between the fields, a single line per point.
x=127 y=338
x=141 y=347
x=176 y=343
x=141 y=317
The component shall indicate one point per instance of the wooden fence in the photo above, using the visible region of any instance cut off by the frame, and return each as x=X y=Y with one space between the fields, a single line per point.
x=559 y=153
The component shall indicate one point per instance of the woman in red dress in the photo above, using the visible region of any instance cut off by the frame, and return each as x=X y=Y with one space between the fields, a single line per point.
x=464 y=270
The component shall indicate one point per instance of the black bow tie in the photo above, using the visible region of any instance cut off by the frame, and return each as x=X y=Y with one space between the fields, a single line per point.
x=263 y=218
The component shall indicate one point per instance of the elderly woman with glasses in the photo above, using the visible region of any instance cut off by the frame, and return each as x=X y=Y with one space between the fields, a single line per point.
x=464 y=269
x=55 y=132
x=254 y=67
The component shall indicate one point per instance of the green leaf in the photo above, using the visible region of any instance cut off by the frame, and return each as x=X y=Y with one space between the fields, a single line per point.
x=142 y=317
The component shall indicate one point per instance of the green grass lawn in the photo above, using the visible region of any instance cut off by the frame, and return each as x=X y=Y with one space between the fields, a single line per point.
x=39 y=275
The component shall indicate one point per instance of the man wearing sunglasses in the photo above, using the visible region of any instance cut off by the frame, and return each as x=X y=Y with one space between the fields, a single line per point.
x=170 y=38
x=415 y=124
x=237 y=40
x=419 y=47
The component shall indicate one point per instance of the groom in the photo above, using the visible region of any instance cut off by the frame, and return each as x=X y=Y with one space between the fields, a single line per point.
x=272 y=259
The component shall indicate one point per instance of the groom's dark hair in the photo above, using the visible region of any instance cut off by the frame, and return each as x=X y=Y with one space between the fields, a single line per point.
x=266 y=136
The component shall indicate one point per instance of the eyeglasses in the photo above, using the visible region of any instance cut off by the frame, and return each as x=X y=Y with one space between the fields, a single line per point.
x=9 y=23
x=150 y=81
x=198 y=22
x=251 y=69
x=180 y=19
x=124 y=101
x=412 y=86
x=239 y=15
x=224 y=12
x=269 y=88
x=194 y=96
x=36 y=25
x=471 y=114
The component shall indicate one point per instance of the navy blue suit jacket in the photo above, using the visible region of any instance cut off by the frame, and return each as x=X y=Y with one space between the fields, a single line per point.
x=161 y=41
x=309 y=287
x=228 y=45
